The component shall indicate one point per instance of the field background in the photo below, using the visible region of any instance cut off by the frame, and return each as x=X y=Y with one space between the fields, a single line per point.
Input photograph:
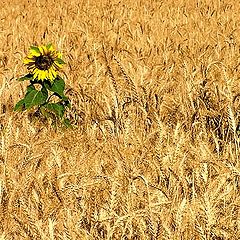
x=154 y=87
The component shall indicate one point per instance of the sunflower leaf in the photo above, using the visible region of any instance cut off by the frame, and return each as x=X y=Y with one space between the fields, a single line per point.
x=30 y=88
x=67 y=123
x=47 y=84
x=44 y=112
x=26 y=77
x=56 y=108
x=58 y=86
x=44 y=91
x=64 y=98
x=20 y=105
x=34 y=97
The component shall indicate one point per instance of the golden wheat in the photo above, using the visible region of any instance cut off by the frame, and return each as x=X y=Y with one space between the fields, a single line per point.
x=154 y=87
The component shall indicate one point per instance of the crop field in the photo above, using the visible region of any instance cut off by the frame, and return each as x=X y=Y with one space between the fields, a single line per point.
x=153 y=152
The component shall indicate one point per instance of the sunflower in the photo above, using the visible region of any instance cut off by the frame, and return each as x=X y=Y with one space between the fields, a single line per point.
x=44 y=62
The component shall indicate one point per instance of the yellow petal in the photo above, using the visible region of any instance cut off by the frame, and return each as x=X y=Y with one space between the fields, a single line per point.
x=45 y=49
x=59 y=55
x=35 y=75
x=50 y=75
x=43 y=75
x=34 y=52
x=30 y=56
x=27 y=61
x=51 y=48
x=54 y=73
x=40 y=75
x=41 y=49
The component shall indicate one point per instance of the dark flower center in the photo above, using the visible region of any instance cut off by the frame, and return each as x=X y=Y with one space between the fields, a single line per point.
x=44 y=62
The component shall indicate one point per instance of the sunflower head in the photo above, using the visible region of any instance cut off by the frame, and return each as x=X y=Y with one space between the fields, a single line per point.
x=43 y=62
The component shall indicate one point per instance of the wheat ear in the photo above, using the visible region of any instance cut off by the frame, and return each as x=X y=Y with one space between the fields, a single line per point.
x=110 y=73
x=128 y=80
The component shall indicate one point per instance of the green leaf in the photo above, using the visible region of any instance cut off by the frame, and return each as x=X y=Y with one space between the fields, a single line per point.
x=44 y=112
x=49 y=45
x=44 y=91
x=58 y=86
x=57 y=108
x=20 y=105
x=64 y=98
x=26 y=77
x=60 y=61
x=47 y=84
x=30 y=88
x=67 y=123
x=36 y=49
x=34 y=98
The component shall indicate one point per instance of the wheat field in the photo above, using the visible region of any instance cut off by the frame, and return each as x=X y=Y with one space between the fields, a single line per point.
x=154 y=151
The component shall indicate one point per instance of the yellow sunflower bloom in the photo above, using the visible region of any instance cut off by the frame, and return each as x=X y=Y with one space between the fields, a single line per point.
x=44 y=62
